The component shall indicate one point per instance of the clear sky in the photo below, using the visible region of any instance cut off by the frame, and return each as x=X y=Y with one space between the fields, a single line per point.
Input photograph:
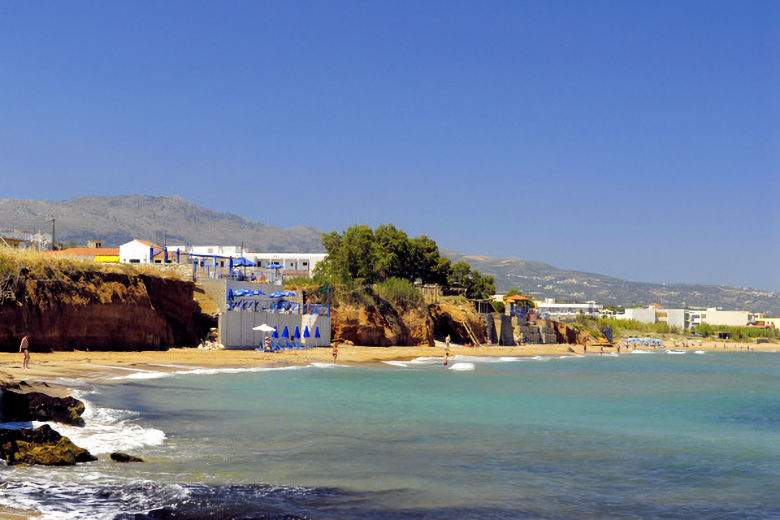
x=636 y=139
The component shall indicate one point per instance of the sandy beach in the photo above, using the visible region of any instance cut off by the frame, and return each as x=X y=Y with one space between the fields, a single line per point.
x=97 y=366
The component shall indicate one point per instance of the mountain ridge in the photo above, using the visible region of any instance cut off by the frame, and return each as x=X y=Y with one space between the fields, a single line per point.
x=118 y=219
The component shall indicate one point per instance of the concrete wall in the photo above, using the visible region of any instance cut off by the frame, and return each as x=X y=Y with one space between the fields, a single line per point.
x=641 y=315
x=730 y=318
x=235 y=328
x=675 y=317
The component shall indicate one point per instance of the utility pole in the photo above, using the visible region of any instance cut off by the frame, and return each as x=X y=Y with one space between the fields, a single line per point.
x=53 y=236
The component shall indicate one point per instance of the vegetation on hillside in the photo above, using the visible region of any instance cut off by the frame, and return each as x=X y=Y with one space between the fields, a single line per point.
x=362 y=256
x=51 y=267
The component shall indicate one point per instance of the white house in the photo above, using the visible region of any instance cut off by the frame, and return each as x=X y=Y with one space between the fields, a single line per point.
x=138 y=251
x=302 y=263
x=568 y=310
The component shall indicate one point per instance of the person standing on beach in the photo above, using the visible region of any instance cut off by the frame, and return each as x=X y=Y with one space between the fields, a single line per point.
x=335 y=352
x=24 y=347
x=446 y=358
x=447 y=341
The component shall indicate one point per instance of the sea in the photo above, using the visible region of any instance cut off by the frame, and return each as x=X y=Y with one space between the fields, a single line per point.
x=640 y=435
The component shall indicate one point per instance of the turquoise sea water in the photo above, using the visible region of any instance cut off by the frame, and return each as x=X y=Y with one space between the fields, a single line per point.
x=634 y=436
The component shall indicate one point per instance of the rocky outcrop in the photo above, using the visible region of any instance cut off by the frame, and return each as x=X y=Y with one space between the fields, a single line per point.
x=118 y=456
x=451 y=319
x=35 y=406
x=99 y=310
x=380 y=323
x=40 y=446
x=569 y=333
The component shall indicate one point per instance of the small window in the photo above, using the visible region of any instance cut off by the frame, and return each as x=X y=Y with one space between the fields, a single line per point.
x=305 y=264
x=135 y=261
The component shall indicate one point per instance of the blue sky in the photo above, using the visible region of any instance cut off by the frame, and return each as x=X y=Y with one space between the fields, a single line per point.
x=636 y=139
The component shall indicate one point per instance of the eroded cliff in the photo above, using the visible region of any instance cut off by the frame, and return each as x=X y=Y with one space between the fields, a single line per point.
x=86 y=308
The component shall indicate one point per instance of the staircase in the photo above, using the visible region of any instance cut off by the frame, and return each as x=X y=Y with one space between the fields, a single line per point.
x=472 y=336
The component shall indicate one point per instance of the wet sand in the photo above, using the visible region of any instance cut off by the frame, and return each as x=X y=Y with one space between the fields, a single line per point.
x=58 y=368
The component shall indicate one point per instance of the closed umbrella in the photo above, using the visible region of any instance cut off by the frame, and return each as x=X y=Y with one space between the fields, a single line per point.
x=286 y=332
x=297 y=333
x=317 y=332
x=306 y=332
x=276 y=332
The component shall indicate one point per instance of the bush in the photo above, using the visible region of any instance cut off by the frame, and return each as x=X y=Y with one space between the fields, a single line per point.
x=399 y=291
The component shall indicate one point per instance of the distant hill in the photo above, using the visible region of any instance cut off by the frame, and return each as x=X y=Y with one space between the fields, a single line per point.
x=541 y=280
x=116 y=220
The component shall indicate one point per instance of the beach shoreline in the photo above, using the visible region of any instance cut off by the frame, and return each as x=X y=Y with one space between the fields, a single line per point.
x=63 y=370
x=63 y=373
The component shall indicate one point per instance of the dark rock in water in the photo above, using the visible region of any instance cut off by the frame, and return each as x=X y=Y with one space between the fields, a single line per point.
x=118 y=456
x=35 y=406
x=40 y=446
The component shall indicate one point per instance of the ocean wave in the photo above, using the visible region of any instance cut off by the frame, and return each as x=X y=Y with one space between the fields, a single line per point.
x=640 y=351
x=152 y=374
x=463 y=367
x=403 y=364
x=107 y=430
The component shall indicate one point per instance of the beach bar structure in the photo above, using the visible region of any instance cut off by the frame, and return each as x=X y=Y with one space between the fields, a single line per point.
x=244 y=306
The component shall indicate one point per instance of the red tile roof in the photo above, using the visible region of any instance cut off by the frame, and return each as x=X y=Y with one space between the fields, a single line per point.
x=147 y=243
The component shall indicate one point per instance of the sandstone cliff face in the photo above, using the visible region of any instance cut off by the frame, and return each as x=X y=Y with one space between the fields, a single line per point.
x=381 y=324
x=102 y=310
x=450 y=319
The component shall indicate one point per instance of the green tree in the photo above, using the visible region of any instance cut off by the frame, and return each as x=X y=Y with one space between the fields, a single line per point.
x=363 y=256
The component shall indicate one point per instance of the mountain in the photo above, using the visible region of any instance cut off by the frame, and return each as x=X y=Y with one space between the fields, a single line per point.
x=541 y=280
x=117 y=220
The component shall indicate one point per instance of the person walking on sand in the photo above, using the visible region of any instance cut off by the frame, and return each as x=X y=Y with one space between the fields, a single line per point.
x=335 y=352
x=24 y=347
x=447 y=341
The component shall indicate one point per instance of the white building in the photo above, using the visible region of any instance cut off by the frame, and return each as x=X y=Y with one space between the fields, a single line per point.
x=304 y=263
x=689 y=318
x=568 y=310
x=293 y=264
x=138 y=251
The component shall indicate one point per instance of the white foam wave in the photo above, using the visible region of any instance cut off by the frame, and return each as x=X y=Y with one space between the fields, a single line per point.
x=463 y=367
x=107 y=430
x=676 y=352
x=640 y=351
x=698 y=352
x=403 y=364
x=149 y=374
x=427 y=360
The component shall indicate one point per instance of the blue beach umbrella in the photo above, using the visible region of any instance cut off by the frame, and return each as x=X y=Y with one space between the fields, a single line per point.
x=306 y=332
x=274 y=266
x=286 y=332
x=297 y=333
x=317 y=332
x=289 y=293
x=230 y=294
x=276 y=332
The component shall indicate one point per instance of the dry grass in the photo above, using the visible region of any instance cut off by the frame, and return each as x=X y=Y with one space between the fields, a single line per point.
x=51 y=266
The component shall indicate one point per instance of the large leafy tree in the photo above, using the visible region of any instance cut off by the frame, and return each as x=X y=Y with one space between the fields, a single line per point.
x=361 y=255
